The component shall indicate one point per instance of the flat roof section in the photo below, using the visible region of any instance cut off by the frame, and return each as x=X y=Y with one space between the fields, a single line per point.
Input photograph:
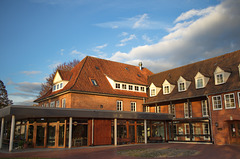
x=25 y=112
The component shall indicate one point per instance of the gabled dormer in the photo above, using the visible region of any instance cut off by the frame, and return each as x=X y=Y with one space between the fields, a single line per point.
x=200 y=80
x=167 y=87
x=220 y=76
x=183 y=84
x=60 y=80
x=153 y=90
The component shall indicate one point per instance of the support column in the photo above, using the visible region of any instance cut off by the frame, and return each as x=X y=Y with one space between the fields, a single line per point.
x=1 y=135
x=70 y=133
x=92 y=132
x=145 y=131
x=12 y=134
x=115 y=132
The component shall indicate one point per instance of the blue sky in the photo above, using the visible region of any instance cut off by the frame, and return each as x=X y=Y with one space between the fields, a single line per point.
x=37 y=35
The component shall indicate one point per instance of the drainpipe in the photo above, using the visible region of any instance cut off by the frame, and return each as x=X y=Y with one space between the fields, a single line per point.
x=210 y=119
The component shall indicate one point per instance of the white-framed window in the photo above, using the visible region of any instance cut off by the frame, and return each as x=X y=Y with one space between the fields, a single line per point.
x=54 y=87
x=152 y=92
x=217 y=102
x=239 y=99
x=117 y=85
x=206 y=131
x=146 y=109
x=219 y=78
x=52 y=104
x=229 y=101
x=94 y=82
x=136 y=88
x=124 y=86
x=63 y=103
x=47 y=105
x=166 y=89
x=181 y=86
x=130 y=87
x=187 y=111
x=133 y=106
x=204 y=108
x=142 y=89
x=158 y=109
x=58 y=86
x=57 y=103
x=119 y=105
x=199 y=83
x=61 y=85
x=171 y=110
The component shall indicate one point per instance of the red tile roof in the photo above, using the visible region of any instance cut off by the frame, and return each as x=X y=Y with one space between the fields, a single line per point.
x=94 y=68
x=228 y=62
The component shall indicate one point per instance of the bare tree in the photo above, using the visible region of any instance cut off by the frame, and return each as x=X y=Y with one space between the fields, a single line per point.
x=45 y=87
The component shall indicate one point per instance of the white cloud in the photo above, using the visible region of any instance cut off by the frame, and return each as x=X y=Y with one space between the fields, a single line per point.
x=216 y=31
x=124 y=34
x=194 y=12
x=146 y=38
x=141 y=22
x=137 y=22
x=31 y=72
x=98 y=49
x=123 y=41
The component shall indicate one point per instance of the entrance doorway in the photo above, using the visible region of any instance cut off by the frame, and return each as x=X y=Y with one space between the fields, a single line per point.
x=51 y=135
x=234 y=130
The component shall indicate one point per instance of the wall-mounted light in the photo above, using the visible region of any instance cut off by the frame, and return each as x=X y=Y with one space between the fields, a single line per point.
x=216 y=124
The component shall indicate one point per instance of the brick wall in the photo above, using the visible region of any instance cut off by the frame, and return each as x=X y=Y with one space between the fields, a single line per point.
x=221 y=133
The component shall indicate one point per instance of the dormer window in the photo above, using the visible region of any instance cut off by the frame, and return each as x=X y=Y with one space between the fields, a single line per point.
x=199 y=83
x=166 y=89
x=221 y=76
x=200 y=80
x=124 y=86
x=60 y=80
x=117 y=86
x=183 y=84
x=153 y=90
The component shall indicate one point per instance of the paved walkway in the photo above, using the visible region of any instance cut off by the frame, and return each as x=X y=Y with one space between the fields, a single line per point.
x=110 y=152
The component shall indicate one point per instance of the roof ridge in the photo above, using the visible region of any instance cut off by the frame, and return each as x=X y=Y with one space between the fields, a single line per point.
x=196 y=62
x=79 y=72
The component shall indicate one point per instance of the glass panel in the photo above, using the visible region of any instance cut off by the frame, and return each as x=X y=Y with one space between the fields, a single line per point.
x=51 y=135
x=238 y=129
x=30 y=132
x=80 y=132
x=140 y=133
x=121 y=134
x=40 y=136
x=233 y=130
x=132 y=133
x=61 y=136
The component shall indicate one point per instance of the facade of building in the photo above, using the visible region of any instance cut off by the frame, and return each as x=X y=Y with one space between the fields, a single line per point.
x=203 y=97
x=101 y=102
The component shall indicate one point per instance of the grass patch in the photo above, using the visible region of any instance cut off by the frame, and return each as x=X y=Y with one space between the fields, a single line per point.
x=158 y=153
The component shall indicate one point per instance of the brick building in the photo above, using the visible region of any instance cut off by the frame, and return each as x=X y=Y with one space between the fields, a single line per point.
x=198 y=102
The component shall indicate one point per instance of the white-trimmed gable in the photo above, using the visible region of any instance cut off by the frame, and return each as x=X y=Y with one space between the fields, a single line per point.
x=220 y=76
x=58 y=83
x=57 y=78
x=183 y=84
x=167 y=87
x=153 y=90
x=200 y=80
x=126 y=86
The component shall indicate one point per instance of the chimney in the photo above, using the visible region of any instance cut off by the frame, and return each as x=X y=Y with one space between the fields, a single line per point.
x=140 y=65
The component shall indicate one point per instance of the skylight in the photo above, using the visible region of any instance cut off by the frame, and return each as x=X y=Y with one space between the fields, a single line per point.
x=94 y=82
